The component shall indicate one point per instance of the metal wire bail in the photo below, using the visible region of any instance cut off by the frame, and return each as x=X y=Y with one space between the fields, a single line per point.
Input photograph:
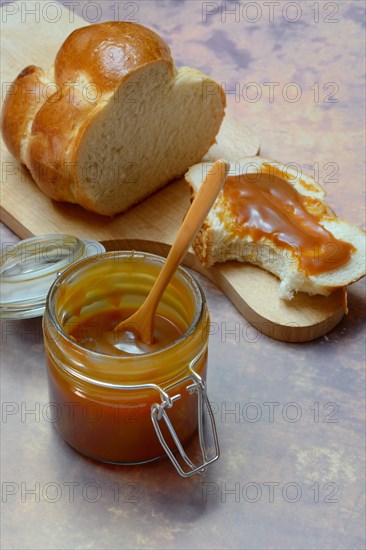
x=158 y=413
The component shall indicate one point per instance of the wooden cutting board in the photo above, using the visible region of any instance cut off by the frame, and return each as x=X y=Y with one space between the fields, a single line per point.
x=152 y=225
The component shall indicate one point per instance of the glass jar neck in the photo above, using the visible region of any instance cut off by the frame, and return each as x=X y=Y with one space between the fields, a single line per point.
x=87 y=281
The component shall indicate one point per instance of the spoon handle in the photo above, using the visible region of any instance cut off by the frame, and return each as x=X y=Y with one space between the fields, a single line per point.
x=192 y=223
x=141 y=323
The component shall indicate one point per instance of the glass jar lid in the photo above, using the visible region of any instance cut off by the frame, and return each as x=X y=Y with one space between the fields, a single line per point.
x=28 y=268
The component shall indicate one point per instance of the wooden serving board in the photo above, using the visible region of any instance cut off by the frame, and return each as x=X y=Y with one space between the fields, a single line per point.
x=152 y=225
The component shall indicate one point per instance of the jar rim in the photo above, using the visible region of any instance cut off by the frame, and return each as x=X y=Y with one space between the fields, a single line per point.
x=150 y=257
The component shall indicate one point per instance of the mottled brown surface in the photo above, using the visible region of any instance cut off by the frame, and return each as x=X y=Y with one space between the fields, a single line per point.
x=155 y=508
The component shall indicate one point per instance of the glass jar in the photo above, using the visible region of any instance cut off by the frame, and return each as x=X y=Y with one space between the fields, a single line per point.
x=128 y=408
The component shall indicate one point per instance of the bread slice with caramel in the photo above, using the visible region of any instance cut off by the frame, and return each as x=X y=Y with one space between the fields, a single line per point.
x=272 y=216
x=113 y=120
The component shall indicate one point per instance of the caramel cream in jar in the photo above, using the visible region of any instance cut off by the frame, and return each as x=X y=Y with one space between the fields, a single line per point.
x=89 y=366
x=265 y=205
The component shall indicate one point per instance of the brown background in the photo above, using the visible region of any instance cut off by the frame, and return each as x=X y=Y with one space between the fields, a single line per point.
x=321 y=51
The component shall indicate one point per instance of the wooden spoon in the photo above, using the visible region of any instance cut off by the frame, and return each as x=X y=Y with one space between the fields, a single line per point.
x=141 y=323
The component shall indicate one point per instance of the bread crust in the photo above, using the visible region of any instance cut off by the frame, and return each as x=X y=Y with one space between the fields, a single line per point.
x=107 y=52
x=44 y=130
x=23 y=100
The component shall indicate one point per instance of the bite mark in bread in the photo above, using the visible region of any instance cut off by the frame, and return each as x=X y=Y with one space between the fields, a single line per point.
x=221 y=240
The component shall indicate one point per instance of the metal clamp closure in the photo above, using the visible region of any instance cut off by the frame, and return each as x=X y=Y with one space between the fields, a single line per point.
x=158 y=413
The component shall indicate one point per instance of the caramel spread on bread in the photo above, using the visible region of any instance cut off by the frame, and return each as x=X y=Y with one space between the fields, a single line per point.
x=266 y=205
x=272 y=216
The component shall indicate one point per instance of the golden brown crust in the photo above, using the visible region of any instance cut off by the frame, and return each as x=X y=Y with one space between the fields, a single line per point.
x=203 y=243
x=54 y=127
x=25 y=96
x=107 y=52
